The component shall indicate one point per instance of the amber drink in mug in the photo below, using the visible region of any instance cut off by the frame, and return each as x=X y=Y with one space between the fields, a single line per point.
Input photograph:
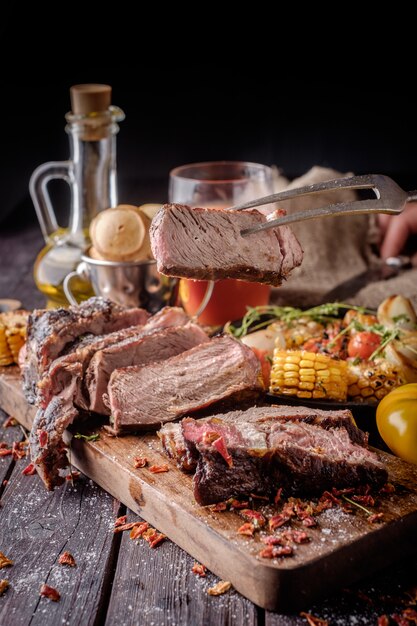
x=220 y=184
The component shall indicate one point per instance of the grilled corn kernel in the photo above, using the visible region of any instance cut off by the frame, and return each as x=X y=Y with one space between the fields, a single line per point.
x=12 y=335
x=371 y=382
x=308 y=375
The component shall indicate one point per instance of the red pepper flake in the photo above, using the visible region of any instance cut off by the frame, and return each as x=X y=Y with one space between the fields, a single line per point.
x=400 y=620
x=4 y=561
x=273 y=552
x=220 y=506
x=309 y=522
x=29 y=470
x=273 y=540
x=140 y=461
x=312 y=620
x=120 y=521
x=383 y=620
x=375 y=518
x=410 y=615
x=156 y=540
x=49 y=592
x=221 y=587
x=5 y=482
x=121 y=528
x=10 y=421
x=220 y=445
x=255 y=496
x=237 y=504
x=257 y=519
x=43 y=437
x=278 y=496
x=277 y=521
x=342 y=492
x=73 y=476
x=246 y=529
x=158 y=469
x=3 y=444
x=18 y=450
x=66 y=558
x=387 y=488
x=199 y=570
x=365 y=500
x=5 y=452
x=4 y=585
x=296 y=536
x=138 y=530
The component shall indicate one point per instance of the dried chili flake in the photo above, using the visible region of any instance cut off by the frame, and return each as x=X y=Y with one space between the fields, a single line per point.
x=5 y=452
x=309 y=522
x=120 y=521
x=138 y=530
x=10 y=421
x=277 y=521
x=257 y=519
x=221 y=587
x=375 y=518
x=383 y=620
x=29 y=470
x=73 y=476
x=4 y=483
x=42 y=437
x=400 y=620
x=273 y=552
x=66 y=558
x=140 y=461
x=199 y=570
x=123 y=527
x=156 y=539
x=312 y=620
x=4 y=561
x=296 y=536
x=410 y=614
x=278 y=496
x=4 y=585
x=18 y=450
x=256 y=496
x=158 y=469
x=237 y=504
x=387 y=488
x=365 y=500
x=3 y=444
x=273 y=540
x=49 y=592
x=246 y=529
x=217 y=508
x=331 y=496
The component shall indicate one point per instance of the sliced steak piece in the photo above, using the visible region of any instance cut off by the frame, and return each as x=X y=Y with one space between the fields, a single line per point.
x=49 y=332
x=223 y=369
x=259 y=450
x=207 y=244
x=147 y=347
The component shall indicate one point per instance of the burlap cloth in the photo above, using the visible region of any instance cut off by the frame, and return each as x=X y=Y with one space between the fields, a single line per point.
x=335 y=249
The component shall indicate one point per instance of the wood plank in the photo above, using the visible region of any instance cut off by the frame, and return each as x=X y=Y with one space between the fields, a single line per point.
x=36 y=527
x=344 y=547
x=156 y=586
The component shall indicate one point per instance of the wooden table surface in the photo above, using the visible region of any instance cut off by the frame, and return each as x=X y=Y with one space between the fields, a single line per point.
x=117 y=582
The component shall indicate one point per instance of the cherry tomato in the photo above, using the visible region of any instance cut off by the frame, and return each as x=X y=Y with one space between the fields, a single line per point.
x=363 y=344
x=396 y=419
x=329 y=342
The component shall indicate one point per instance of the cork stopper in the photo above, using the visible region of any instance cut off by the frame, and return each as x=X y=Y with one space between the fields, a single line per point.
x=90 y=98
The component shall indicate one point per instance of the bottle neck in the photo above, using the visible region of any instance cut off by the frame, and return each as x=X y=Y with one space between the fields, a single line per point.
x=93 y=157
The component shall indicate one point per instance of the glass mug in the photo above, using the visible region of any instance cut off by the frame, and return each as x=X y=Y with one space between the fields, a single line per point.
x=220 y=184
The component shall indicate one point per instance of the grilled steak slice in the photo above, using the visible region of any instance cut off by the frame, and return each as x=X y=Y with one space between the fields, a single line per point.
x=49 y=332
x=147 y=347
x=143 y=397
x=259 y=450
x=207 y=244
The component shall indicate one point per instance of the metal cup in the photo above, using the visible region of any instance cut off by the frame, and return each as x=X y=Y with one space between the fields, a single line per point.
x=129 y=284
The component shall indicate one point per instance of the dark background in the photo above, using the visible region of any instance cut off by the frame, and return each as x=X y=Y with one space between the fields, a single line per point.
x=186 y=113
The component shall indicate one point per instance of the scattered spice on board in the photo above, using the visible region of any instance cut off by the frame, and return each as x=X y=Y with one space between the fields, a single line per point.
x=66 y=558
x=120 y=521
x=199 y=570
x=137 y=531
x=217 y=508
x=5 y=452
x=29 y=470
x=256 y=518
x=4 y=561
x=19 y=450
x=158 y=469
x=246 y=529
x=221 y=587
x=274 y=552
x=122 y=527
x=49 y=592
x=153 y=537
x=4 y=585
x=312 y=620
x=4 y=483
x=10 y=421
x=140 y=461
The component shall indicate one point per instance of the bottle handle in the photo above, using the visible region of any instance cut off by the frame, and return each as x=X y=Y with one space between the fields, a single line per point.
x=39 y=192
x=80 y=272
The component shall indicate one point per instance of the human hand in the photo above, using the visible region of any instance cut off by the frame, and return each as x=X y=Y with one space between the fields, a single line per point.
x=396 y=231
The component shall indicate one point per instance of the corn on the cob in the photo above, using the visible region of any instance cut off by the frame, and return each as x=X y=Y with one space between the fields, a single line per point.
x=370 y=382
x=306 y=374
x=12 y=336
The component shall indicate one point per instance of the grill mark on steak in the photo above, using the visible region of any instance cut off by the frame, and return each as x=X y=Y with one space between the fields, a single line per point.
x=300 y=449
x=142 y=397
x=50 y=331
x=207 y=244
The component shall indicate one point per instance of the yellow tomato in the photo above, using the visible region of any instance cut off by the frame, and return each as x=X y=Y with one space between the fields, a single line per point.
x=396 y=418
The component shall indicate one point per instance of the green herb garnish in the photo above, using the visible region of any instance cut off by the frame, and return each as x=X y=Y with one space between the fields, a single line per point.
x=87 y=437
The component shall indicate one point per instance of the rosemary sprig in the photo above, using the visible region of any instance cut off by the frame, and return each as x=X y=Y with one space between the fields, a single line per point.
x=87 y=437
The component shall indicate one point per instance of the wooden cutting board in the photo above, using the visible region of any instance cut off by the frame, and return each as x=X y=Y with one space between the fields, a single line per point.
x=344 y=548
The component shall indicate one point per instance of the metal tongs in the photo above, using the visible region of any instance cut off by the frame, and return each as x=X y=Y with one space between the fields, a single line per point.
x=390 y=198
